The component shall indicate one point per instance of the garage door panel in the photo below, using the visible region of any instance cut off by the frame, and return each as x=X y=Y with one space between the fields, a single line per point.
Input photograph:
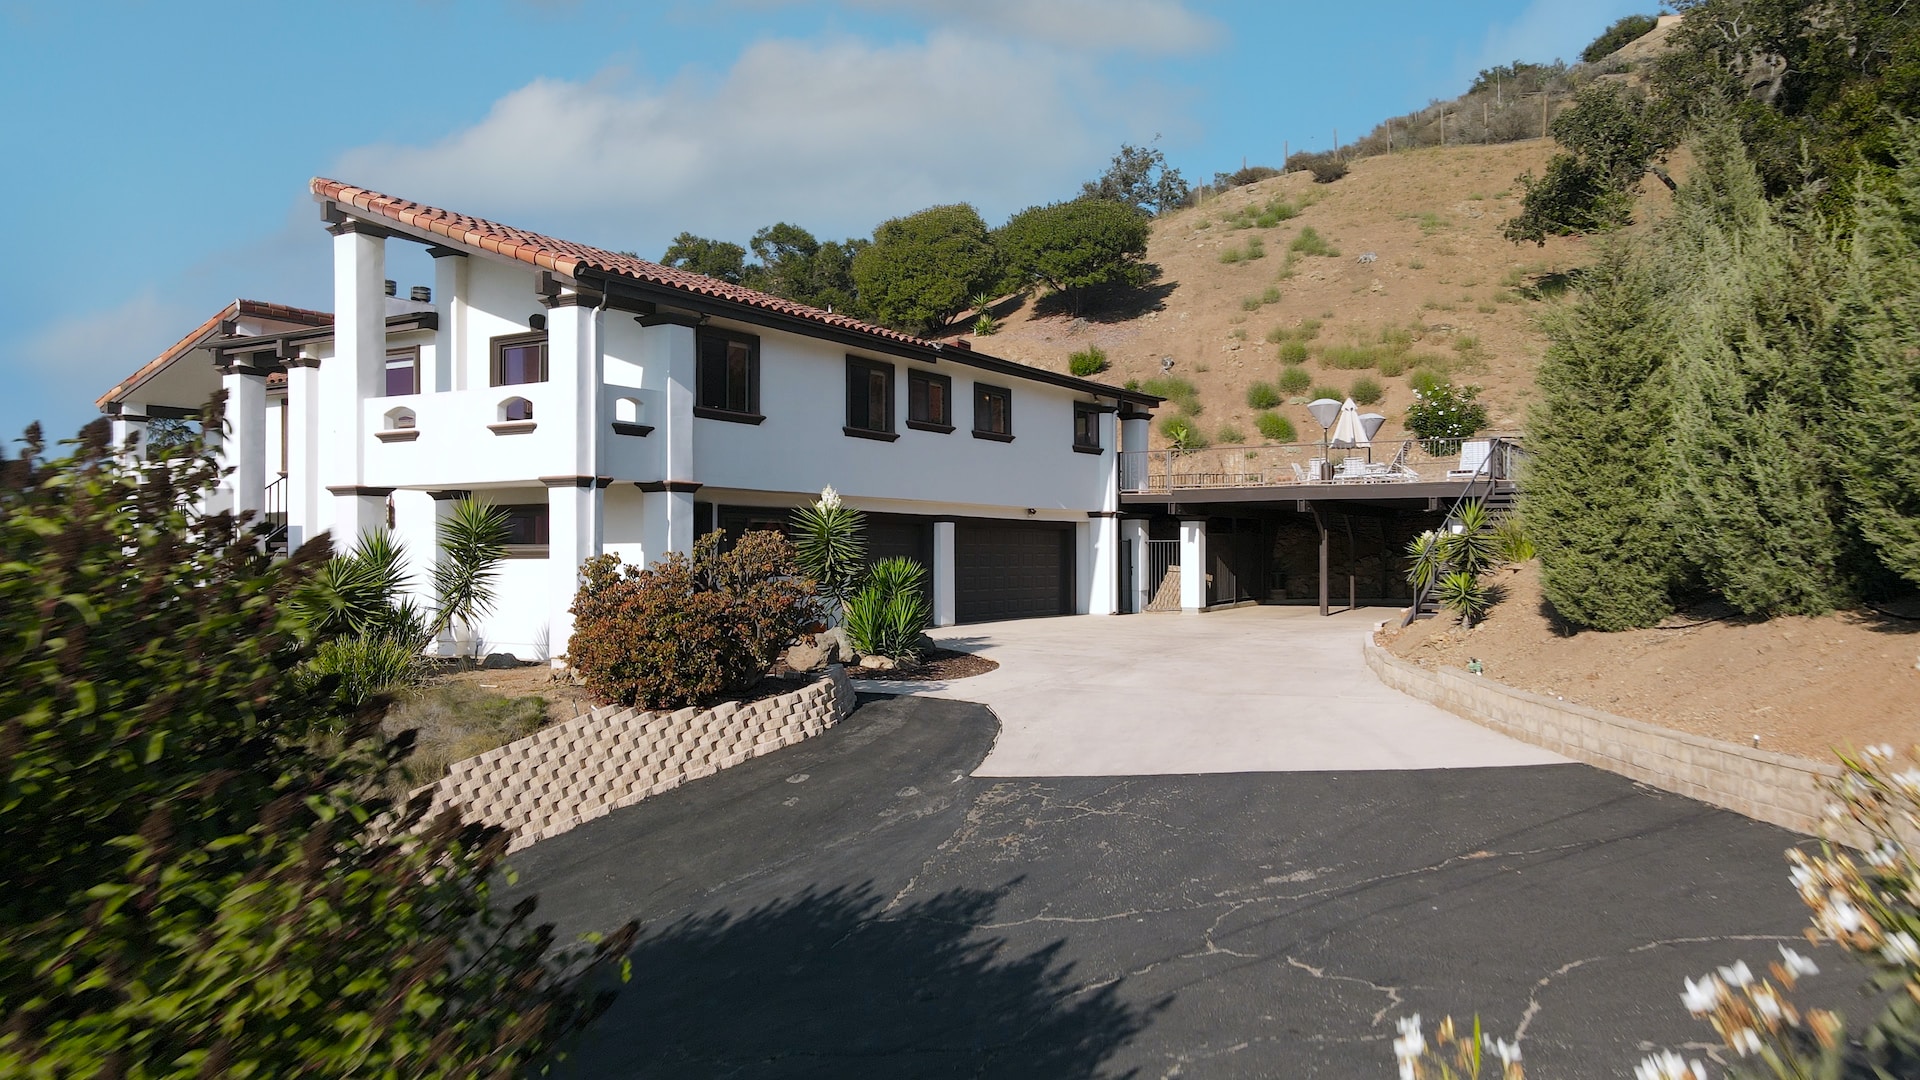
x=1012 y=570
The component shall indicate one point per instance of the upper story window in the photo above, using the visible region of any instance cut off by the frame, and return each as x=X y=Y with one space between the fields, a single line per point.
x=992 y=412
x=1086 y=427
x=727 y=379
x=929 y=401
x=869 y=398
x=520 y=358
x=403 y=371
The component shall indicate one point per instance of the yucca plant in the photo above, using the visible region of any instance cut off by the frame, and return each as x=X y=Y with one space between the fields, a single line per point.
x=1466 y=596
x=1512 y=541
x=473 y=543
x=831 y=548
x=1426 y=560
x=889 y=614
x=1472 y=547
x=355 y=593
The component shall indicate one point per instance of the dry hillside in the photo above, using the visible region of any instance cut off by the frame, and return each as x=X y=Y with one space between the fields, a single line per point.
x=1444 y=291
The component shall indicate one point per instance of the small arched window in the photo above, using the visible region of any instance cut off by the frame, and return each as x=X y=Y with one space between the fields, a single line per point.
x=626 y=410
x=400 y=419
x=516 y=408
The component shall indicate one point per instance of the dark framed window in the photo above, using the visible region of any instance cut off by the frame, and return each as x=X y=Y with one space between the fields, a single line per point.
x=403 y=371
x=992 y=412
x=526 y=530
x=727 y=378
x=869 y=398
x=1086 y=427
x=929 y=401
x=519 y=359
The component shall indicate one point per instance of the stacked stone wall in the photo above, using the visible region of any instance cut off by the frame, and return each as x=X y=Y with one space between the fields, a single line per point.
x=570 y=773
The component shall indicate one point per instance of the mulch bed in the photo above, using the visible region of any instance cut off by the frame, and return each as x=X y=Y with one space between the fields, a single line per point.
x=935 y=665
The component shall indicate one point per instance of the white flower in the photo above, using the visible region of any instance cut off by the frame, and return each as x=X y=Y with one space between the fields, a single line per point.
x=1668 y=1065
x=1883 y=856
x=829 y=498
x=1507 y=1052
x=1767 y=1003
x=1797 y=964
x=1702 y=996
x=1841 y=916
x=1744 y=1041
x=1901 y=949
x=1738 y=974
x=1881 y=751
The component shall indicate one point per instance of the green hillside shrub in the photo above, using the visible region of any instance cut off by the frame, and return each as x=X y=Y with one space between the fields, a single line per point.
x=1262 y=395
x=1293 y=352
x=1091 y=360
x=1365 y=391
x=1295 y=380
x=1275 y=428
x=1310 y=242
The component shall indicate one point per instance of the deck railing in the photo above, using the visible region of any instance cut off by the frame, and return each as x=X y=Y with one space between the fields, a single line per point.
x=1399 y=461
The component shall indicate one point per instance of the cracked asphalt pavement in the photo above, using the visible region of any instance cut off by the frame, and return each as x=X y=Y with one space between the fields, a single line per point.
x=861 y=905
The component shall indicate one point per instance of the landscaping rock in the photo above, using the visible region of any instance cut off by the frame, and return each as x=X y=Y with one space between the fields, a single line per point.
x=839 y=649
x=498 y=661
x=804 y=657
x=877 y=663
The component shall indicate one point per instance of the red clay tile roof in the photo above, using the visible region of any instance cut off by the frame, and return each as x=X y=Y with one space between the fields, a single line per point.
x=568 y=258
x=251 y=309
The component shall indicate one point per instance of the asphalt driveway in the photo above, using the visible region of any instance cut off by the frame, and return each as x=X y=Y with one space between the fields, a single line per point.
x=1255 y=689
x=864 y=905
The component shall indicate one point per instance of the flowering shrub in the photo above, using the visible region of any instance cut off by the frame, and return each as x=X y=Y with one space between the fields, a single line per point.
x=1443 y=414
x=687 y=630
x=1453 y=1056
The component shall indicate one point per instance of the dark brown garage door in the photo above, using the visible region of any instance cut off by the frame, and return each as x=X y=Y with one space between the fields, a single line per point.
x=1012 y=570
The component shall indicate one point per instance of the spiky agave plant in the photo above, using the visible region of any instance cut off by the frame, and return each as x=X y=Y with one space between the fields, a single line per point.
x=1424 y=560
x=1473 y=548
x=830 y=545
x=1466 y=596
x=473 y=543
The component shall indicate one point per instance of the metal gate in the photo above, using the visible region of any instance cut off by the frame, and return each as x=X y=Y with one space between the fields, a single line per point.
x=1163 y=575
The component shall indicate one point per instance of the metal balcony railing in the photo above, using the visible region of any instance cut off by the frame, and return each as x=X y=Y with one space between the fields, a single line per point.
x=1400 y=461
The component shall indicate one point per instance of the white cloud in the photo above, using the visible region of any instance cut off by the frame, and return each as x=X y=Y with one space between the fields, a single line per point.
x=1161 y=26
x=77 y=358
x=833 y=135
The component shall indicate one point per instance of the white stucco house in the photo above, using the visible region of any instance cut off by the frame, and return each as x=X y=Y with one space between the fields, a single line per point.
x=615 y=405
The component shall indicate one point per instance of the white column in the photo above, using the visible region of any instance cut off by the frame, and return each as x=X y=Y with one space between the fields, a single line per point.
x=449 y=342
x=357 y=511
x=944 y=605
x=354 y=373
x=131 y=425
x=666 y=520
x=667 y=363
x=308 y=515
x=1104 y=539
x=573 y=379
x=574 y=516
x=452 y=640
x=245 y=448
x=1193 y=564
x=1133 y=534
x=1134 y=429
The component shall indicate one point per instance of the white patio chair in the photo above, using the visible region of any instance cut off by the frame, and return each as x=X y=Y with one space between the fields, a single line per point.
x=1299 y=474
x=1473 y=458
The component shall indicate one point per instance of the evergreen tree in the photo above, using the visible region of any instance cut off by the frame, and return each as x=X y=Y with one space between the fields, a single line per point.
x=1881 y=310
x=1596 y=504
x=921 y=269
x=1757 y=509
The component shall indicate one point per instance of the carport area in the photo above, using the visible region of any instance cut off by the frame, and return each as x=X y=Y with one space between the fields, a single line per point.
x=1254 y=689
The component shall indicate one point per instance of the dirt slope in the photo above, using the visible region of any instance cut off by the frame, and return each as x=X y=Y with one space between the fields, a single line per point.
x=1441 y=275
x=1804 y=685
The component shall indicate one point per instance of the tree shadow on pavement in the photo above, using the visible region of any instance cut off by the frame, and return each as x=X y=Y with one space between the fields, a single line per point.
x=841 y=984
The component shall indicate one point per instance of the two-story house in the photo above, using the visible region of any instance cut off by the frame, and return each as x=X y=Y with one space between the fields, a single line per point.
x=612 y=404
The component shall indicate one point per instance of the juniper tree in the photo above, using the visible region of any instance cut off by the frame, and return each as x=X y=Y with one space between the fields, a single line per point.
x=1881 y=310
x=1756 y=504
x=1597 y=506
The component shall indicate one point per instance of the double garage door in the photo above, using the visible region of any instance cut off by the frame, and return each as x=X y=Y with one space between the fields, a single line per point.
x=1012 y=570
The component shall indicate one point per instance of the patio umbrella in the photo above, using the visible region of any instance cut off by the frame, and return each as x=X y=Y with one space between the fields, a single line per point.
x=1348 y=432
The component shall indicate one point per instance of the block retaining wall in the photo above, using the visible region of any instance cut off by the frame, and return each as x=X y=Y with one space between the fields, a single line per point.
x=572 y=772
x=1777 y=788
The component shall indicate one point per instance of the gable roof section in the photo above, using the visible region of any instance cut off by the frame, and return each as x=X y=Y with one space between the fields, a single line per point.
x=206 y=331
x=574 y=260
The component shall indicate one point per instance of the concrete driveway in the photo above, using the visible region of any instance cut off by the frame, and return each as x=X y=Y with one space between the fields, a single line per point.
x=1267 y=689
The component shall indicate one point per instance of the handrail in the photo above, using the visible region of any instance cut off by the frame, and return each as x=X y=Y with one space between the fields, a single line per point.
x=1497 y=450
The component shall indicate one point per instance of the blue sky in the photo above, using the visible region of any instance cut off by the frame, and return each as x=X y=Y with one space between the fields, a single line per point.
x=159 y=152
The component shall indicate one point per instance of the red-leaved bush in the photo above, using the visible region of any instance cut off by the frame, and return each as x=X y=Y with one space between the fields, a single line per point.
x=687 y=630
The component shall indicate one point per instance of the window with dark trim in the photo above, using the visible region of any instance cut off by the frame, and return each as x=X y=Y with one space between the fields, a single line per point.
x=727 y=377
x=992 y=412
x=929 y=401
x=403 y=371
x=526 y=530
x=869 y=398
x=1086 y=427
x=519 y=359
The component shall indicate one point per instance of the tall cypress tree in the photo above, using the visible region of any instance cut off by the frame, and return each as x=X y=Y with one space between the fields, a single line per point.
x=1597 y=506
x=1881 y=311
x=1757 y=505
